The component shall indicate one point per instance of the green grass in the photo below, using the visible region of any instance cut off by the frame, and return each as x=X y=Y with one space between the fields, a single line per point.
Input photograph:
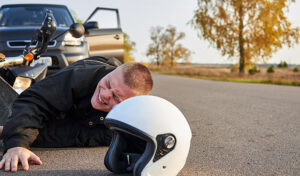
x=240 y=80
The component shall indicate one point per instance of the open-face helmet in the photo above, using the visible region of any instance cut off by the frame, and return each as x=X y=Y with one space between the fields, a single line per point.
x=151 y=137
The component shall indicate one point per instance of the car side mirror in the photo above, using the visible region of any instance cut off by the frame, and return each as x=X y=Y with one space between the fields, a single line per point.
x=77 y=30
x=91 y=25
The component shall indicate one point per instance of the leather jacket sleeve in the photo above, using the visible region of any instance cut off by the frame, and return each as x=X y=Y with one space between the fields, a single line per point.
x=50 y=98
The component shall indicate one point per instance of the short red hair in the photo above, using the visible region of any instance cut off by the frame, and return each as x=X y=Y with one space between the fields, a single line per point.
x=137 y=77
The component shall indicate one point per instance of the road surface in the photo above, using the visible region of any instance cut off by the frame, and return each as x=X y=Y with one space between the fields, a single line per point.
x=238 y=129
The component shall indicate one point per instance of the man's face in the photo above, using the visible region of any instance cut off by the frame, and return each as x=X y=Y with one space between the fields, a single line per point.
x=110 y=91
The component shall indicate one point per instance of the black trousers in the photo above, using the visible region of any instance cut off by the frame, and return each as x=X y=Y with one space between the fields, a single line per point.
x=72 y=133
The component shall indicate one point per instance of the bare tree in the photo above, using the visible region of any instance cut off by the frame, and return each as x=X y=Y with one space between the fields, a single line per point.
x=172 y=49
x=155 y=49
x=165 y=47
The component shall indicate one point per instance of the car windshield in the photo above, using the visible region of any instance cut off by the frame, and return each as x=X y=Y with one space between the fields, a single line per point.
x=33 y=16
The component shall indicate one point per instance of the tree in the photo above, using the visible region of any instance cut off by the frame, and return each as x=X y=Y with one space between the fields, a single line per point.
x=248 y=29
x=155 y=49
x=165 y=47
x=172 y=50
x=129 y=47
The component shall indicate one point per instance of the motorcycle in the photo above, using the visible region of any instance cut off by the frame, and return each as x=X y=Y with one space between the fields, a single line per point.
x=20 y=72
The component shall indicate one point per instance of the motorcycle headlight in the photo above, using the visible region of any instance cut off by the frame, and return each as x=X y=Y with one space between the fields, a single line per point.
x=21 y=84
x=69 y=40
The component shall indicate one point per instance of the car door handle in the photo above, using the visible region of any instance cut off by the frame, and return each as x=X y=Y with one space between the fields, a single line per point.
x=117 y=37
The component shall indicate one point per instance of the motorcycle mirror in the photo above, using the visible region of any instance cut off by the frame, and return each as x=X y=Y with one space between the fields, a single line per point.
x=76 y=30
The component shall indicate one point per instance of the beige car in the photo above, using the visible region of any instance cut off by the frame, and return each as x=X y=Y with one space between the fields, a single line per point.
x=104 y=34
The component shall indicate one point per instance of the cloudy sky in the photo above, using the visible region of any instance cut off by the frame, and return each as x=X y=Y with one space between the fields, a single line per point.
x=138 y=16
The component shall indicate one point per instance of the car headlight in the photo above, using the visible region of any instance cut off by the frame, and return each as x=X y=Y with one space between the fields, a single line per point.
x=69 y=40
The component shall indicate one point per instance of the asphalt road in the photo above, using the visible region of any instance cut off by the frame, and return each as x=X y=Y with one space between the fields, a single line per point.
x=238 y=129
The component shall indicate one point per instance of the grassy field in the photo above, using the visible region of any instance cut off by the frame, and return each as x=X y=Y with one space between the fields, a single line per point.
x=281 y=76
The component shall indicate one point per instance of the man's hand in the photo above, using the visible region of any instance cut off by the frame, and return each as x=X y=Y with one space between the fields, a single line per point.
x=13 y=155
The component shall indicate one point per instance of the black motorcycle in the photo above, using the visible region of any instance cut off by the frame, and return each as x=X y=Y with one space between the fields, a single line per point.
x=19 y=73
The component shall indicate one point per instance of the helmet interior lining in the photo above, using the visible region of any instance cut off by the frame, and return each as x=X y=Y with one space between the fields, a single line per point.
x=117 y=147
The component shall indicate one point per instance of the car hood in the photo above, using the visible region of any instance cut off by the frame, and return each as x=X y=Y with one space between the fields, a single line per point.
x=25 y=33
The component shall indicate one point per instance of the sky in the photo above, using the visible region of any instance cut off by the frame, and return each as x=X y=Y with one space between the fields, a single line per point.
x=138 y=16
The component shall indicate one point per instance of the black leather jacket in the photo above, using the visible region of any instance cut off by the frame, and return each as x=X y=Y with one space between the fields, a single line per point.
x=56 y=112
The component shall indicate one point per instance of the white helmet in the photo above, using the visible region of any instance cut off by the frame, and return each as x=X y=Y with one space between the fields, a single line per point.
x=150 y=137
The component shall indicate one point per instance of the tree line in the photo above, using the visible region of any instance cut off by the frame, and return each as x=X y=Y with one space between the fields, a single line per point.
x=164 y=48
x=251 y=30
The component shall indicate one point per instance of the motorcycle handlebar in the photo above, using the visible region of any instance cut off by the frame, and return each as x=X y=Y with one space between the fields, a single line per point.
x=43 y=37
x=45 y=33
x=9 y=61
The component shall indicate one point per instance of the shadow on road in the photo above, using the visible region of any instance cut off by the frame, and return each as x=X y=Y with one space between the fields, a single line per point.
x=62 y=173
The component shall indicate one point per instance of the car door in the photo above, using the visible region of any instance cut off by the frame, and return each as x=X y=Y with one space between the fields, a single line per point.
x=104 y=34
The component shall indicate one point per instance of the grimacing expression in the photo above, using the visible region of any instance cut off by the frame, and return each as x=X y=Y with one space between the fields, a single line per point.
x=110 y=91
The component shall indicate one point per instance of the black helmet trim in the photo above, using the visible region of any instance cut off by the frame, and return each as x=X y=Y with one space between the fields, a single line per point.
x=118 y=126
x=165 y=144
x=121 y=126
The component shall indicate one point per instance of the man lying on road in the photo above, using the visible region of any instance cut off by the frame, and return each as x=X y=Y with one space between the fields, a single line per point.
x=68 y=108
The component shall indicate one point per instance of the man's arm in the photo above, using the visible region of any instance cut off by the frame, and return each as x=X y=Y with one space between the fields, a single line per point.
x=29 y=113
x=46 y=99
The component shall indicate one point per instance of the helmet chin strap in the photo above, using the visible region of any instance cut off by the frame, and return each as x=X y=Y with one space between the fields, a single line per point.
x=122 y=154
x=131 y=159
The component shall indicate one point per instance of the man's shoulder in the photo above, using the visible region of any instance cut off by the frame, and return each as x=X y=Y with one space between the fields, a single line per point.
x=97 y=60
x=88 y=67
